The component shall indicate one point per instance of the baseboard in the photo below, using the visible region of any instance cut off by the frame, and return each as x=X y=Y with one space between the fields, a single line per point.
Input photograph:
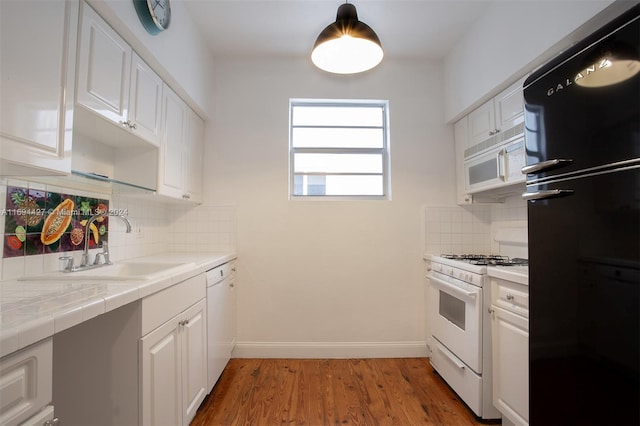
x=330 y=350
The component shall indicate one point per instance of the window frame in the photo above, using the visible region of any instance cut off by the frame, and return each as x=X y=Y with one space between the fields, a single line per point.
x=384 y=150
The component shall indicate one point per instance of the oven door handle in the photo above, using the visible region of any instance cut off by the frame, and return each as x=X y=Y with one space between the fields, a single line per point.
x=451 y=288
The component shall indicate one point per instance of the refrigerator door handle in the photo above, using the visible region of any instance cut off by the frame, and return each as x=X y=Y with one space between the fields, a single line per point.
x=543 y=195
x=538 y=167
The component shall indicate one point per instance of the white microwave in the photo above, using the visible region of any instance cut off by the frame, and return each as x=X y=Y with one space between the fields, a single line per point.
x=496 y=168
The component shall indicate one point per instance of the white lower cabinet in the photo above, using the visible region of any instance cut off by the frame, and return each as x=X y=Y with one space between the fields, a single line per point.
x=174 y=354
x=44 y=418
x=510 y=346
x=174 y=368
x=25 y=384
x=144 y=363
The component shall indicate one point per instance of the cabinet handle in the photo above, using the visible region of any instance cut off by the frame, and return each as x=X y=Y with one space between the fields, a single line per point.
x=232 y=285
x=53 y=422
x=491 y=310
x=184 y=322
x=233 y=269
x=510 y=296
x=133 y=126
x=186 y=196
x=124 y=124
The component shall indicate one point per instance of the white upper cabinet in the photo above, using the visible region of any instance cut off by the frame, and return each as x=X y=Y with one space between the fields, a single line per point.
x=37 y=74
x=180 y=171
x=174 y=133
x=499 y=114
x=145 y=101
x=509 y=106
x=193 y=169
x=114 y=82
x=461 y=136
x=104 y=68
x=482 y=123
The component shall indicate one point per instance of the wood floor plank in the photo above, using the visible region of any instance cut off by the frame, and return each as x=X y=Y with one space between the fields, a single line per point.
x=403 y=392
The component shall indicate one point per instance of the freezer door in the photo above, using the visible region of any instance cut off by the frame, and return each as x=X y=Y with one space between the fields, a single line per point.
x=581 y=127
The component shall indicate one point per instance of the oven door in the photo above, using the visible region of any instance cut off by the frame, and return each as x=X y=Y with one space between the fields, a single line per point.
x=455 y=313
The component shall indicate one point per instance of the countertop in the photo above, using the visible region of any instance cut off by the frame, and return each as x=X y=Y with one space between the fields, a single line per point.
x=518 y=274
x=32 y=310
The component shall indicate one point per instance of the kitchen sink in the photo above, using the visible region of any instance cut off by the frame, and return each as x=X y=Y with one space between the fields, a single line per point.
x=117 y=272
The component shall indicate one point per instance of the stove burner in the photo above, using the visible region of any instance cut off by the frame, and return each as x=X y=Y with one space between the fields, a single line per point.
x=486 y=259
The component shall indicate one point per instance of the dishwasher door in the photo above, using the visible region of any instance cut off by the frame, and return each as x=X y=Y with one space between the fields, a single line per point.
x=221 y=320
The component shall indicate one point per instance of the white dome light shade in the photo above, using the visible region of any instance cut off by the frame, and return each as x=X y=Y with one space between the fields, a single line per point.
x=347 y=46
x=347 y=55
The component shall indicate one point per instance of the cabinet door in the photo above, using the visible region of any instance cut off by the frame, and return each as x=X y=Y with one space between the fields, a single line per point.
x=104 y=68
x=509 y=106
x=145 y=101
x=174 y=119
x=25 y=382
x=161 y=386
x=194 y=158
x=37 y=71
x=194 y=360
x=482 y=123
x=461 y=137
x=510 y=346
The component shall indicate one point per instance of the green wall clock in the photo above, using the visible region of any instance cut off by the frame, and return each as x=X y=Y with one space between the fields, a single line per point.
x=155 y=15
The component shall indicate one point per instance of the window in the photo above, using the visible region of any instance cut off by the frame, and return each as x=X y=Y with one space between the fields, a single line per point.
x=339 y=149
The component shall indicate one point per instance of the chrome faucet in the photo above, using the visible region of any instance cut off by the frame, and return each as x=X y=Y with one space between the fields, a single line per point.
x=84 y=264
x=105 y=253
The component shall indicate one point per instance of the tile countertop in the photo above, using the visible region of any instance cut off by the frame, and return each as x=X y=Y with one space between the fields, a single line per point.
x=517 y=274
x=32 y=310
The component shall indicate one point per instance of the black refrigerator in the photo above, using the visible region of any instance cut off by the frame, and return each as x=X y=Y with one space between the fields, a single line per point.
x=582 y=119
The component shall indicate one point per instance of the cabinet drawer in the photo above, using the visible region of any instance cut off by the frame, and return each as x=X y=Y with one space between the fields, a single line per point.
x=461 y=378
x=164 y=305
x=510 y=296
x=25 y=382
x=221 y=272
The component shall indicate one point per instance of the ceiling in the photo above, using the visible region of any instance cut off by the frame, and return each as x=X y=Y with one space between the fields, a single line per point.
x=406 y=28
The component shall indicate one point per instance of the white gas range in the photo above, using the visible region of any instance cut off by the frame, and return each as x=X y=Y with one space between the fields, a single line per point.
x=460 y=326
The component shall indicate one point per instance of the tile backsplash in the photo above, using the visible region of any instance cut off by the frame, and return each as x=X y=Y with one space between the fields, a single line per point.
x=40 y=221
x=470 y=228
x=156 y=227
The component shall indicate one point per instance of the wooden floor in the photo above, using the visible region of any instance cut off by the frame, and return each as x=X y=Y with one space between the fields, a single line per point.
x=403 y=391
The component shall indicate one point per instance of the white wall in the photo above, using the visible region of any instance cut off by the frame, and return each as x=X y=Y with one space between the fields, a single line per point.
x=336 y=275
x=509 y=41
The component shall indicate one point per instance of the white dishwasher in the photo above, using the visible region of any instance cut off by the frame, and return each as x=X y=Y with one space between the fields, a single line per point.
x=221 y=319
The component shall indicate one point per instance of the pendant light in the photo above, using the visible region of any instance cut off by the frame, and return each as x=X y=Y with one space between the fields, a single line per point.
x=347 y=46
